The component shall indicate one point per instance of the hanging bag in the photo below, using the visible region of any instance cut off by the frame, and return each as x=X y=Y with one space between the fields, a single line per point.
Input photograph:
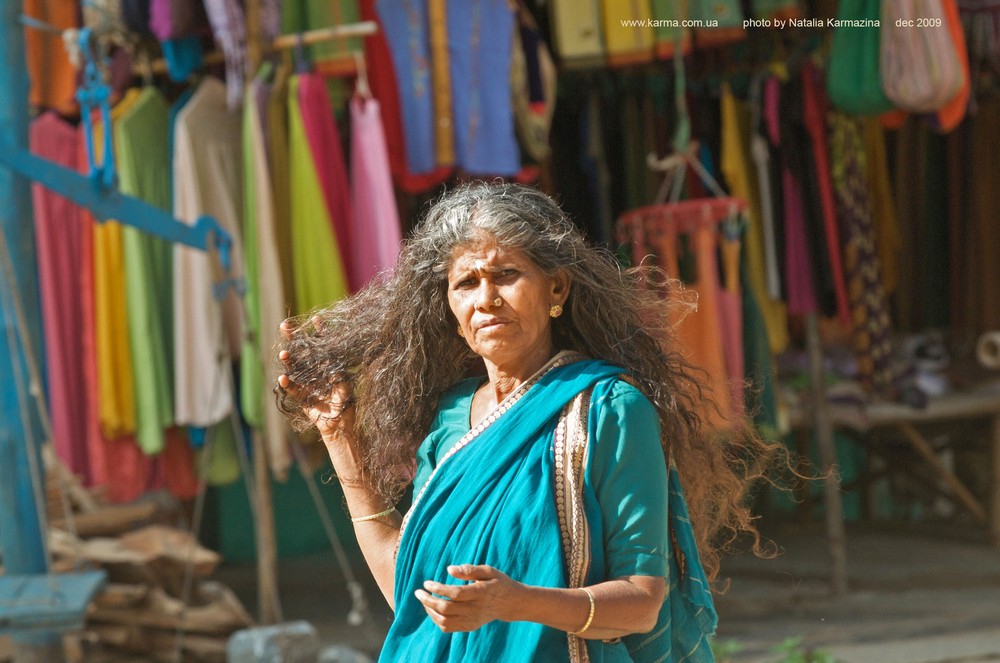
x=952 y=113
x=852 y=83
x=920 y=66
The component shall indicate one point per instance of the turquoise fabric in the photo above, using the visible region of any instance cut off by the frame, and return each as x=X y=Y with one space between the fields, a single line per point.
x=493 y=503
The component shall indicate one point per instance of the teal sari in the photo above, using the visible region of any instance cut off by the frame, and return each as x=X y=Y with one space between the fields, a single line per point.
x=505 y=495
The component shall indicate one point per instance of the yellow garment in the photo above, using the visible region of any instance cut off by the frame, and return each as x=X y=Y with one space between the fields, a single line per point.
x=628 y=31
x=739 y=172
x=888 y=241
x=444 y=132
x=576 y=26
x=116 y=397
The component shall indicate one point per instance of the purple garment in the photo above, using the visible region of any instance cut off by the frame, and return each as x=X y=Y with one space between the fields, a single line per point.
x=375 y=230
x=230 y=31
x=170 y=19
x=59 y=233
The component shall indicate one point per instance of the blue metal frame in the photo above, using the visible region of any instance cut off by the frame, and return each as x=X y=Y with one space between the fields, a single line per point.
x=112 y=205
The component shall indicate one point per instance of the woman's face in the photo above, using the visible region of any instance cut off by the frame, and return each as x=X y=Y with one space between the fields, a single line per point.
x=501 y=299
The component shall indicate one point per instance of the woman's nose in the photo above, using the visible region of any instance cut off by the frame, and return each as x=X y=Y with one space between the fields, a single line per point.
x=486 y=296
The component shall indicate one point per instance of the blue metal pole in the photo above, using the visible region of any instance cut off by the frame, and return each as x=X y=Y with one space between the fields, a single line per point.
x=20 y=531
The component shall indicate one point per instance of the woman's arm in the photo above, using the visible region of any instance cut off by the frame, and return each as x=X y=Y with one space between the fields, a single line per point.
x=334 y=419
x=621 y=606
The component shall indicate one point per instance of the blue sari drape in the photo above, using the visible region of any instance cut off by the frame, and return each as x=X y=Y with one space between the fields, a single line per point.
x=490 y=501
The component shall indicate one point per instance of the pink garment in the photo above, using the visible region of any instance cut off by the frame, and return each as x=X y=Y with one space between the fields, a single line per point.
x=328 y=158
x=798 y=274
x=801 y=292
x=375 y=230
x=59 y=241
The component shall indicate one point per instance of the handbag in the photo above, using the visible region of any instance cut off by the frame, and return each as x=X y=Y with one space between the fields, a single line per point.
x=853 y=81
x=920 y=67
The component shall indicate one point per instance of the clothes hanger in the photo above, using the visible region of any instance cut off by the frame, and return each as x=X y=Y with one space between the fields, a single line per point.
x=302 y=64
x=361 y=87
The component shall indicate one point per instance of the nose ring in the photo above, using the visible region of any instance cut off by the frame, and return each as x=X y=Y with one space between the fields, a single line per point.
x=497 y=302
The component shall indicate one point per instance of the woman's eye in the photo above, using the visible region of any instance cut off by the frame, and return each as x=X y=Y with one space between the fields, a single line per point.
x=508 y=272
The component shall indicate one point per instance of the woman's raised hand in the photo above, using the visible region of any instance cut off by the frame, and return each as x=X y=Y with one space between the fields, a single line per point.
x=333 y=415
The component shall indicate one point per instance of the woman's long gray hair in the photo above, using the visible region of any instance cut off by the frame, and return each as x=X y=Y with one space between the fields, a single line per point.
x=396 y=340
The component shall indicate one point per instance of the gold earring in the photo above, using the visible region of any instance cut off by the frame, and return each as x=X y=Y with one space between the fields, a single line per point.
x=555 y=311
x=460 y=331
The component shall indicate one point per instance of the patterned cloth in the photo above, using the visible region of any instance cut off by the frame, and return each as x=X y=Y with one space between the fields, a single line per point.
x=230 y=30
x=869 y=308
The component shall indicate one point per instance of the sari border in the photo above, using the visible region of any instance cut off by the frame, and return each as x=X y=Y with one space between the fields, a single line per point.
x=571 y=447
x=561 y=359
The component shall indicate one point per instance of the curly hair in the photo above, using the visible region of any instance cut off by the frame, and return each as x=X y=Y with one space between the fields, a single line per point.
x=395 y=341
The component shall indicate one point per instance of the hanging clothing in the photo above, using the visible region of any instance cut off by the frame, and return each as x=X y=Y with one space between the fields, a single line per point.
x=114 y=354
x=143 y=160
x=375 y=231
x=59 y=245
x=230 y=31
x=577 y=28
x=698 y=333
x=480 y=38
x=207 y=181
x=382 y=81
x=328 y=161
x=887 y=237
x=318 y=268
x=405 y=24
x=815 y=108
x=730 y=302
x=52 y=75
x=265 y=297
x=170 y=19
x=872 y=329
x=739 y=171
x=628 y=32
x=276 y=132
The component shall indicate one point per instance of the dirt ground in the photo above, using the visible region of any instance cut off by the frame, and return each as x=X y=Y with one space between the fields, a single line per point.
x=917 y=595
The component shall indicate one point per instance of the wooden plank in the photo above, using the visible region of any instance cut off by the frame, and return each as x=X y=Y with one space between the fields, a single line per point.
x=923 y=447
x=47 y=601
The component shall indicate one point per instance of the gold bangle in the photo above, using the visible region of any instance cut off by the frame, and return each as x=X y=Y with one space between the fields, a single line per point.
x=374 y=516
x=590 y=617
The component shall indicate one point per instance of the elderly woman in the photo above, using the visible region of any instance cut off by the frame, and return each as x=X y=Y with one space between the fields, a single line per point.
x=548 y=521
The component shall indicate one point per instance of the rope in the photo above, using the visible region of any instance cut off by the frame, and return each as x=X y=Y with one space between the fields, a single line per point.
x=360 y=613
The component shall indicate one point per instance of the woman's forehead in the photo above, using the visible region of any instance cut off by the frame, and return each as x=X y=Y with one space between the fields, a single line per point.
x=482 y=254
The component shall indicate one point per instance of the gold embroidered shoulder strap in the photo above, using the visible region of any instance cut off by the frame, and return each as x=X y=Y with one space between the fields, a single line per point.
x=571 y=450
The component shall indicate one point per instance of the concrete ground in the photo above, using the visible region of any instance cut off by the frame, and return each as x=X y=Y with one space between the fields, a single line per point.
x=918 y=595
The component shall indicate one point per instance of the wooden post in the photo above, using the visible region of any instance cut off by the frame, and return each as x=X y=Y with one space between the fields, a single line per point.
x=995 y=483
x=21 y=536
x=268 y=603
x=823 y=425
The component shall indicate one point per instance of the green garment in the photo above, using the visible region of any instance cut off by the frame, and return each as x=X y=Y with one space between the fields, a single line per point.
x=251 y=364
x=276 y=135
x=143 y=154
x=318 y=270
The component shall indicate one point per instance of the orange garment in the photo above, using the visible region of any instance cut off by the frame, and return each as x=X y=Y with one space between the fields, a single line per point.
x=698 y=332
x=53 y=78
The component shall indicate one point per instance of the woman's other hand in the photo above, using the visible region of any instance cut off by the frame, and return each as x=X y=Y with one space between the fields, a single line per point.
x=489 y=596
